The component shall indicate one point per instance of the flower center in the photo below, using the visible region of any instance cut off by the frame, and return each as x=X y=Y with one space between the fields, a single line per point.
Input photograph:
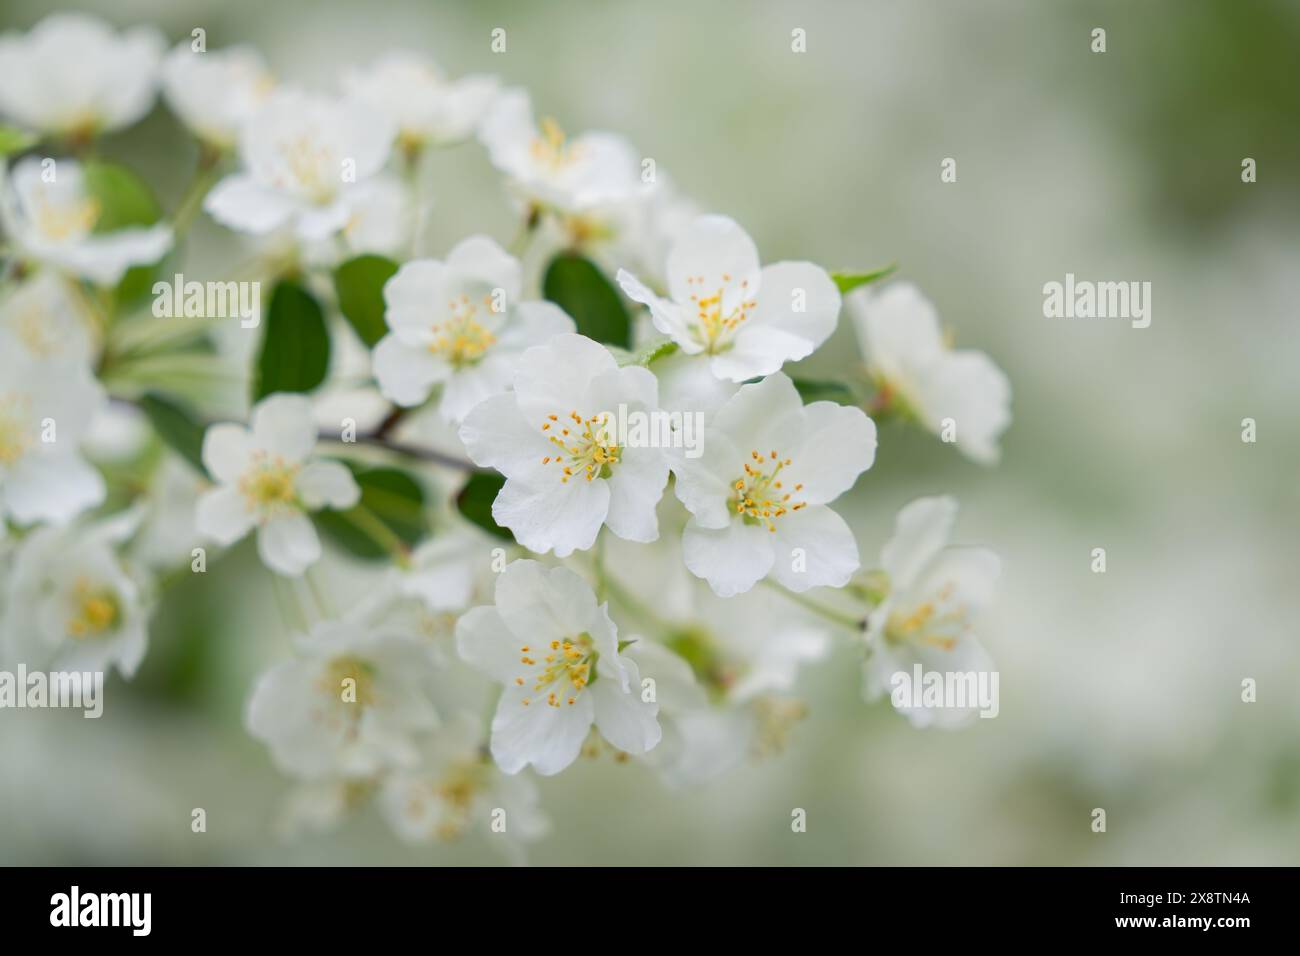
x=713 y=327
x=584 y=447
x=66 y=220
x=940 y=622
x=270 y=484
x=362 y=674
x=551 y=148
x=567 y=663
x=461 y=339
x=95 y=610
x=760 y=496
x=14 y=439
x=312 y=169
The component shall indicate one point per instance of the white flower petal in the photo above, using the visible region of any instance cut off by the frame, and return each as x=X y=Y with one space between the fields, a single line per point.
x=51 y=487
x=223 y=515
x=788 y=285
x=921 y=530
x=485 y=642
x=495 y=435
x=552 y=379
x=553 y=516
x=713 y=247
x=622 y=717
x=667 y=317
x=547 y=603
x=239 y=202
x=731 y=559
x=323 y=484
x=897 y=327
x=288 y=544
x=549 y=738
x=406 y=375
x=969 y=388
x=813 y=548
x=839 y=444
x=482 y=260
x=227 y=451
x=466 y=388
x=283 y=426
x=758 y=350
x=635 y=487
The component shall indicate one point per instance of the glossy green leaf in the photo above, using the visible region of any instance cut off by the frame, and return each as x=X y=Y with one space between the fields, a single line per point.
x=848 y=281
x=578 y=287
x=359 y=284
x=475 y=501
x=178 y=428
x=390 y=516
x=811 y=390
x=295 y=353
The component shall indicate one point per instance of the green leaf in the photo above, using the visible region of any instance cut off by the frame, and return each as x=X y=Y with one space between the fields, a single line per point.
x=359 y=283
x=811 y=390
x=295 y=351
x=475 y=501
x=656 y=348
x=848 y=281
x=14 y=140
x=390 y=517
x=179 y=429
x=124 y=199
x=580 y=289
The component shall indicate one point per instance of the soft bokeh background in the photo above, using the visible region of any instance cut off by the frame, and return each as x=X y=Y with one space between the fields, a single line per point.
x=1119 y=690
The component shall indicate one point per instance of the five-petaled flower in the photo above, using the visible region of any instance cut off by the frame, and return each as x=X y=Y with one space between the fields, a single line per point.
x=427 y=108
x=45 y=409
x=557 y=654
x=266 y=479
x=758 y=493
x=74 y=76
x=549 y=170
x=459 y=324
x=919 y=376
x=305 y=160
x=52 y=216
x=745 y=320
x=216 y=92
x=934 y=592
x=352 y=702
x=556 y=440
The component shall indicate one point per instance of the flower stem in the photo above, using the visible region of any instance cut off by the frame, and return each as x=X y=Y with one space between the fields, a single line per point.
x=830 y=614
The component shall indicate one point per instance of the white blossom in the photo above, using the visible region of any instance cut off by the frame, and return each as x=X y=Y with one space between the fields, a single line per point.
x=935 y=591
x=353 y=701
x=423 y=104
x=745 y=321
x=549 y=170
x=74 y=76
x=73 y=603
x=556 y=653
x=215 y=92
x=267 y=479
x=919 y=375
x=554 y=439
x=51 y=216
x=45 y=407
x=460 y=325
x=758 y=493
x=305 y=160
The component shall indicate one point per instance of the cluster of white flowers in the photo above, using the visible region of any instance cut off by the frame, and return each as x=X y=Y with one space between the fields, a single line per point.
x=611 y=603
